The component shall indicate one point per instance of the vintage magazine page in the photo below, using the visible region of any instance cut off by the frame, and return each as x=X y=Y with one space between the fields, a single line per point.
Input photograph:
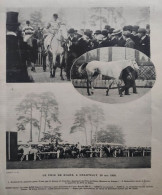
x=80 y=103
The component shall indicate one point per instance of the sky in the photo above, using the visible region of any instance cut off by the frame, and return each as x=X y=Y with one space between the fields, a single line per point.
x=74 y=17
x=133 y=117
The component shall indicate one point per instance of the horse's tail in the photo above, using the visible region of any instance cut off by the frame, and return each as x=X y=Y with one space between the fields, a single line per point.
x=82 y=67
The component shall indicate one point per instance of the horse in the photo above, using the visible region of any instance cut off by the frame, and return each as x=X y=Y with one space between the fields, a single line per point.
x=55 y=49
x=28 y=150
x=115 y=71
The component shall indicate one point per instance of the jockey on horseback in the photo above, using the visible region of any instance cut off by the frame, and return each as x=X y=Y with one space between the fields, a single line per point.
x=28 y=31
x=53 y=28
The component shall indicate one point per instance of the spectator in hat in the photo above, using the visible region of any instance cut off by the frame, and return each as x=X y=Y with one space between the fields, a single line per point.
x=114 y=40
x=120 y=40
x=28 y=31
x=83 y=43
x=129 y=42
x=144 y=45
x=107 y=27
x=71 y=47
x=135 y=37
x=97 y=35
x=16 y=70
x=110 y=31
x=105 y=41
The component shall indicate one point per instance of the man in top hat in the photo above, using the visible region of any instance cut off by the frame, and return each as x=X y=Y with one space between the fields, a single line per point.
x=144 y=45
x=129 y=42
x=135 y=37
x=16 y=70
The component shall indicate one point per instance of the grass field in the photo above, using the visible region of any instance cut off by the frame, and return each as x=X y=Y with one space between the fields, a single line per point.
x=100 y=95
x=120 y=162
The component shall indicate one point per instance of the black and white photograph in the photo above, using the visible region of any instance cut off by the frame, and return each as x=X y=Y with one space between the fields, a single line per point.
x=43 y=43
x=59 y=128
x=113 y=74
x=80 y=103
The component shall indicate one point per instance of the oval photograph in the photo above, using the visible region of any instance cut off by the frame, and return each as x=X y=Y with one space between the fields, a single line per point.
x=113 y=74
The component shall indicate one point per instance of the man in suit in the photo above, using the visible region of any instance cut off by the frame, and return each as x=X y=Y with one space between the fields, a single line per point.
x=144 y=45
x=71 y=50
x=134 y=36
x=16 y=70
x=129 y=42
x=120 y=39
x=105 y=41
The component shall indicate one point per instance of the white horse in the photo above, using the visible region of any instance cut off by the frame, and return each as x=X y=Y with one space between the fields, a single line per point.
x=112 y=70
x=54 y=43
x=28 y=150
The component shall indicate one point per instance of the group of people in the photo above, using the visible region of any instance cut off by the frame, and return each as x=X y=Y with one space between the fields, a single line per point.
x=79 y=151
x=77 y=43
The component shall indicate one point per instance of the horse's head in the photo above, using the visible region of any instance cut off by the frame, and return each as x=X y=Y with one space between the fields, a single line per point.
x=63 y=31
x=134 y=65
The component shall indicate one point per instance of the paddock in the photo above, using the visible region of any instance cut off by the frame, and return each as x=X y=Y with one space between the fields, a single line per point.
x=100 y=95
x=110 y=163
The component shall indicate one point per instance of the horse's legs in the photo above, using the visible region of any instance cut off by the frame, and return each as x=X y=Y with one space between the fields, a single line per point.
x=22 y=157
x=37 y=156
x=88 y=87
x=61 y=66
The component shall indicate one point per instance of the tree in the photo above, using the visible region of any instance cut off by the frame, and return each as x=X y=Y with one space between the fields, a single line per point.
x=79 y=123
x=48 y=108
x=88 y=118
x=109 y=15
x=111 y=134
x=36 y=19
x=25 y=110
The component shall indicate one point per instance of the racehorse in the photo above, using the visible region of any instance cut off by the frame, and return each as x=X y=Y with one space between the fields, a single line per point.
x=56 y=49
x=28 y=150
x=115 y=71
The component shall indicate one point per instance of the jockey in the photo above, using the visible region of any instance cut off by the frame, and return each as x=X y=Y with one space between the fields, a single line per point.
x=53 y=28
x=28 y=31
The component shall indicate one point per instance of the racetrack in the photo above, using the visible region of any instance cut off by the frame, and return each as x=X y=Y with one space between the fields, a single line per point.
x=42 y=77
x=100 y=95
x=119 y=162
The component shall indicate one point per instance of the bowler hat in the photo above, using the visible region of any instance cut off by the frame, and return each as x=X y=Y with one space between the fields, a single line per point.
x=12 y=19
x=56 y=15
x=127 y=34
x=142 y=30
x=135 y=28
x=107 y=27
x=104 y=32
x=88 y=33
x=111 y=30
x=71 y=30
x=116 y=32
x=97 y=32
x=129 y=27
